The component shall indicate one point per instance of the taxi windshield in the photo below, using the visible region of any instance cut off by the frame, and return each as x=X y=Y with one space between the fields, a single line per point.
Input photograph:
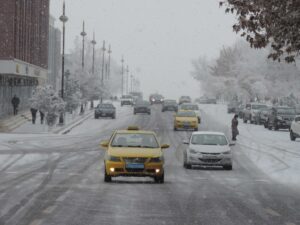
x=209 y=139
x=186 y=114
x=135 y=140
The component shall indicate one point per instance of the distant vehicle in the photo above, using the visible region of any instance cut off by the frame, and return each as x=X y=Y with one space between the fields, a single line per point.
x=126 y=100
x=169 y=105
x=232 y=107
x=211 y=100
x=262 y=116
x=184 y=99
x=206 y=100
x=142 y=107
x=135 y=153
x=251 y=110
x=240 y=111
x=206 y=148
x=156 y=99
x=295 y=128
x=105 y=110
x=137 y=96
x=192 y=107
x=186 y=120
x=281 y=117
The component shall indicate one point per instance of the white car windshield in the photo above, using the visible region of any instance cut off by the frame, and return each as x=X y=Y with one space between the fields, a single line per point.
x=209 y=139
x=135 y=140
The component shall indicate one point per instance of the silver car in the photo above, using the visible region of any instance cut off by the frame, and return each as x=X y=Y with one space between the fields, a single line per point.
x=208 y=149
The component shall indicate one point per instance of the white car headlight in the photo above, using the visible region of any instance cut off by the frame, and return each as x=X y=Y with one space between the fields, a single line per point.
x=227 y=153
x=192 y=151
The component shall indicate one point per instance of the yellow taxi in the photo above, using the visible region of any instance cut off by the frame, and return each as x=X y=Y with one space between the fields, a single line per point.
x=186 y=119
x=134 y=152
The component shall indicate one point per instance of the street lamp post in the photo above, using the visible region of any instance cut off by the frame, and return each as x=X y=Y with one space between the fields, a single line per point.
x=109 y=55
x=93 y=64
x=102 y=75
x=93 y=43
x=63 y=18
x=83 y=34
x=122 y=73
x=127 y=78
x=131 y=83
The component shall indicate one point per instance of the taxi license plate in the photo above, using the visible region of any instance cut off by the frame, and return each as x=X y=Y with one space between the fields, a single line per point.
x=135 y=166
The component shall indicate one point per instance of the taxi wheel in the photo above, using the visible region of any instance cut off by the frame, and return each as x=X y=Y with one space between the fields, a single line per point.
x=160 y=179
x=107 y=178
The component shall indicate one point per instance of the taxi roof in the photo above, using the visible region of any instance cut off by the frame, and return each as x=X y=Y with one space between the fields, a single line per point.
x=135 y=132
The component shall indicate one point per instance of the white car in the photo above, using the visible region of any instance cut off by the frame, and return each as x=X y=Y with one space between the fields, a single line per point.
x=295 y=128
x=208 y=149
x=192 y=107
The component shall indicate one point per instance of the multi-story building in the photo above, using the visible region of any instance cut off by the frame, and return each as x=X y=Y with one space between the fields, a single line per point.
x=54 y=57
x=24 y=28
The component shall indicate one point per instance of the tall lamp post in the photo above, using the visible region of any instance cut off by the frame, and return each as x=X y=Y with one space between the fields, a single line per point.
x=102 y=74
x=63 y=18
x=93 y=64
x=109 y=55
x=122 y=73
x=83 y=34
x=131 y=83
x=127 y=77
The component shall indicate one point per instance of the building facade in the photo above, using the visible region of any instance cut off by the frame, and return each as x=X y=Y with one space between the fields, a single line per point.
x=24 y=29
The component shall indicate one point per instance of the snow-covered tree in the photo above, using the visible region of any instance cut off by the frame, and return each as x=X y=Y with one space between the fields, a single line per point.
x=269 y=22
x=47 y=100
x=247 y=73
x=72 y=94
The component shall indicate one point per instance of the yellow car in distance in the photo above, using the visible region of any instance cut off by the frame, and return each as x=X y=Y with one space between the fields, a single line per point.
x=186 y=119
x=134 y=152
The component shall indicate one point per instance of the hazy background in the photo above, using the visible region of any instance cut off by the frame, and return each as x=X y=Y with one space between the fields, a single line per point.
x=158 y=38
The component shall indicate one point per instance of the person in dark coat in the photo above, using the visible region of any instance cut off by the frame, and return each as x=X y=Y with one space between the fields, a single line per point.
x=42 y=116
x=33 y=114
x=234 y=127
x=15 y=102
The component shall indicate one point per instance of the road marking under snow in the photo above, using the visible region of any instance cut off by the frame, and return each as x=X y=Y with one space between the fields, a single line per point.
x=36 y=222
x=272 y=212
x=49 y=210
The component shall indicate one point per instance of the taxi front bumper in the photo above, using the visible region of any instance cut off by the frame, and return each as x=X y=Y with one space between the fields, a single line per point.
x=116 y=169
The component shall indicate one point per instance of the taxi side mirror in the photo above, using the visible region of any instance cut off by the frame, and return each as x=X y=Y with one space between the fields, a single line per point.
x=164 y=146
x=104 y=144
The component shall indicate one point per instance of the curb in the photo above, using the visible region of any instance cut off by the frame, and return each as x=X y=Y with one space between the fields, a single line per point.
x=75 y=124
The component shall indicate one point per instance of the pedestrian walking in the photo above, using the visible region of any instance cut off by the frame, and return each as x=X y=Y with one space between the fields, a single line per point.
x=33 y=114
x=15 y=102
x=42 y=116
x=234 y=127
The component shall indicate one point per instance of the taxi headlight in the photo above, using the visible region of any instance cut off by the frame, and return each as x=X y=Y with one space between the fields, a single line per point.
x=156 y=159
x=113 y=158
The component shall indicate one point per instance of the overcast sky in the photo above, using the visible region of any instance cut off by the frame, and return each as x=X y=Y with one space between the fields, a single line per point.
x=158 y=38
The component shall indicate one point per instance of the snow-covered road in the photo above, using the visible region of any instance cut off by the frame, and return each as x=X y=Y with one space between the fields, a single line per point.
x=58 y=179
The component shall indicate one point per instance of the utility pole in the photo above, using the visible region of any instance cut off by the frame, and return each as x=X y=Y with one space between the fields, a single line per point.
x=131 y=83
x=102 y=75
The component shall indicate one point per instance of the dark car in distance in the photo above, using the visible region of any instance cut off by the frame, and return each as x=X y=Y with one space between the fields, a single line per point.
x=142 y=107
x=156 y=99
x=185 y=99
x=105 y=110
x=281 y=117
x=169 y=105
